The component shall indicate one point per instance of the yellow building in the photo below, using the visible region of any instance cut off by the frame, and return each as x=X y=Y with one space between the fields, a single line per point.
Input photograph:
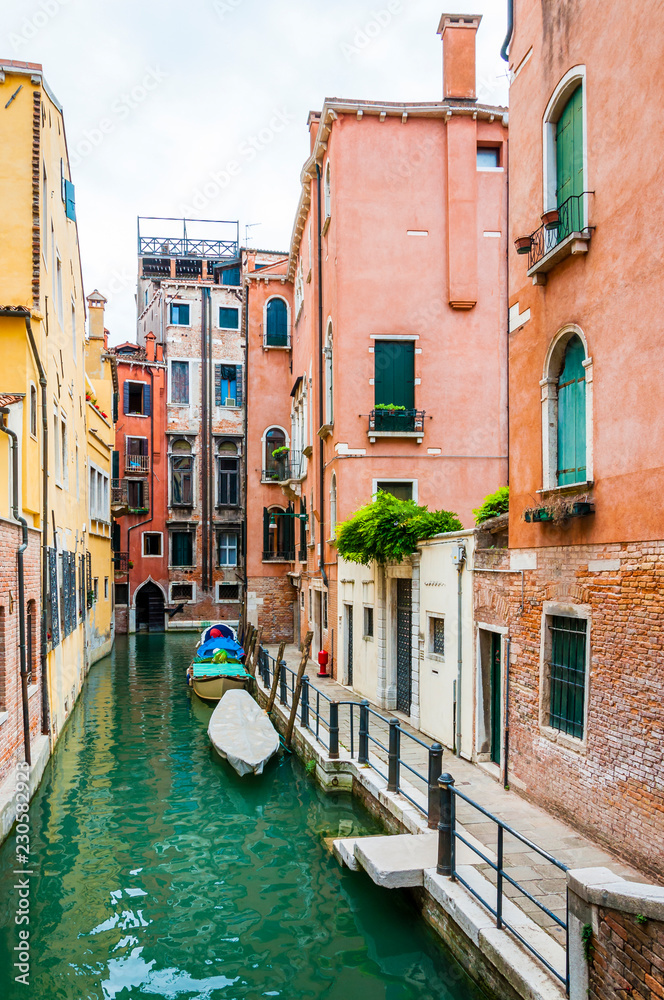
x=43 y=350
x=100 y=406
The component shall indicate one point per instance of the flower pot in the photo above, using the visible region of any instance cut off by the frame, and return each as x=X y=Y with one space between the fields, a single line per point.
x=542 y=515
x=523 y=244
x=581 y=509
x=551 y=219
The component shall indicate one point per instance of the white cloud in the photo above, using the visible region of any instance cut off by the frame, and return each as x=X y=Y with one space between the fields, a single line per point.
x=160 y=96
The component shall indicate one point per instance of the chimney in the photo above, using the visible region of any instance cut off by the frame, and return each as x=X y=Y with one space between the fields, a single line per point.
x=96 y=303
x=150 y=346
x=313 y=122
x=458 y=32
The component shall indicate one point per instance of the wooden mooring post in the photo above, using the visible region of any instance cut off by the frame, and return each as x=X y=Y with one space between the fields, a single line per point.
x=275 y=679
x=256 y=647
x=306 y=645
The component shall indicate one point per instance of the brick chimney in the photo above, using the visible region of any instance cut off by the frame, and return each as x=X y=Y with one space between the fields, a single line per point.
x=458 y=32
x=96 y=304
x=150 y=346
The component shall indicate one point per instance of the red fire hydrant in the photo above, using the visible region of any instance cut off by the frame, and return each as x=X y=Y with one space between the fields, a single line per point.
x=323 y=658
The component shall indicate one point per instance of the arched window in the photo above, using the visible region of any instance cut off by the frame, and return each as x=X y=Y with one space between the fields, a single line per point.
x=182 y=474
x=276 y=323
x=329 y=378
x=328 y=192
x=276 y=454
x=279 y=533
x=572 y=415
x=333 y=506
x=565 y=184
x=227 y=474
x=567 y=411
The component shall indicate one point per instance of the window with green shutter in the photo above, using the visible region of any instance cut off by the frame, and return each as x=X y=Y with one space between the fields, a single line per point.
x=567 y=674
x=182 y=548
x=572 y=415
x=229 y=318
x=276 y=323
x=569 y=165
x=394 y=385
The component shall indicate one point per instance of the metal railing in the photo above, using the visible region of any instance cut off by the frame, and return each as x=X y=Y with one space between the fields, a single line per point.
x=121 y=562
x=118 y=492
x=137 y=464
x=448 y=834
x=397 y=421
x=283 y=469
x=571 y=219
x=279 y=555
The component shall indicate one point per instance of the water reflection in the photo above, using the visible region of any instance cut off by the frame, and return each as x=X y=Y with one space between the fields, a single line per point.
x=162 y=873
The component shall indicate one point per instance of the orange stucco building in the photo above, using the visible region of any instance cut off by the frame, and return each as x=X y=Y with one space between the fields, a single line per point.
x=390 y=369
x=586 y=365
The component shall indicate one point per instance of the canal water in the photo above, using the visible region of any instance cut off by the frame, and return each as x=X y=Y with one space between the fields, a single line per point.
x=158 y=872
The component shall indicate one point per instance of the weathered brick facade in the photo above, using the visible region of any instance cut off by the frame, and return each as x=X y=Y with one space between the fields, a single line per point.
x=270 y=601
x=11 y=729
x=609 y=783
x=627 y=958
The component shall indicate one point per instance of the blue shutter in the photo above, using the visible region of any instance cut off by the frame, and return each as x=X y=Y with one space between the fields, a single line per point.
x=146 y=399
x=70 y=201
x=126 y=397
x=238 y=385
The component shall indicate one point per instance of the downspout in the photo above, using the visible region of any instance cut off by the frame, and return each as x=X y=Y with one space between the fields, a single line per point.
x=204 y=443
x=208 y=299
x=510 y=30
x=46 y=720
x=245 y=471
x=13 y=437
x=460 y=559
x=506 y=780
x=321 y=415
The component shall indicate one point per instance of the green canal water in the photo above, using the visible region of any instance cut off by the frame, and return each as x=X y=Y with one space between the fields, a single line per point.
x=158 y=872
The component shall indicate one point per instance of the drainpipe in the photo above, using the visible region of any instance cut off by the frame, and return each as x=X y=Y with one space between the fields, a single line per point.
x=204 y=445
x=21 y=583
x=510 y=30
x=506 y=780
x=459 y=558
x=321 y=414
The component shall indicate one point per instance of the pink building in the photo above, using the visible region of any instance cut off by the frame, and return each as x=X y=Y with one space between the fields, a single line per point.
x=397 y=267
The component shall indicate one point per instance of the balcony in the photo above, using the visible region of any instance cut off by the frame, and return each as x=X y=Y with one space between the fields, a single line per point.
x=137 y=465
x=560 y=237
x=282 y=470
x=396 y=423
x=279 y=555
x=129 y=496
x=121 y=562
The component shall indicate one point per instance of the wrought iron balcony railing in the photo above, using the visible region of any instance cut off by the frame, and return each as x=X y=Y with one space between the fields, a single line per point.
x=280 y=470
x=397 y=421
x=121 y=562
x=571 y=219
x=287 y=555
x=137 y=464
x=118 y=492
x=129 y=495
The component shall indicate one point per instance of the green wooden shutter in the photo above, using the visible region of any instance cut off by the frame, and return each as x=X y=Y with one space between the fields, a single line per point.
x=126 y=397
x=115 y=465
x=394 y=372
x=569 y=163
x=572 y=416
x=146 y=399
x=266 y=530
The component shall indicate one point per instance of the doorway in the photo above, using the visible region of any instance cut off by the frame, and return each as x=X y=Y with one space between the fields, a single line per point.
x=404 y=645
x=349 y=645
x=496 y=700
x=149 y=608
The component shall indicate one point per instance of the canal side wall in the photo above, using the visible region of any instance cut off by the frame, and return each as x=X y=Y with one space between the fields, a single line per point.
x=490 y=956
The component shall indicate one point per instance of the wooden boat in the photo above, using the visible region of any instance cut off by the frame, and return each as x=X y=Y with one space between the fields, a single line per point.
x=217 y=669
x=242 y=733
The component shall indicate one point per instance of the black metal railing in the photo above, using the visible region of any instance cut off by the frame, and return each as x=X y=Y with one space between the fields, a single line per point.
x=396 y=421
x=276 y=339
x=571 y=219
x=281 y=469
x=448 y=834
x=121 y=562
x=118 y=492
x=274 y=555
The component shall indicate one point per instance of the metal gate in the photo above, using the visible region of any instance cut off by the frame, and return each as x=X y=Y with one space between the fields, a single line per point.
x=349 y=641
x=404 y=645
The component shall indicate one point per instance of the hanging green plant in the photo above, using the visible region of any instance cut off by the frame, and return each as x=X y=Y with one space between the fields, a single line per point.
x=493 y=505
x=280 y=452
x=388 y=406
x=389 y=529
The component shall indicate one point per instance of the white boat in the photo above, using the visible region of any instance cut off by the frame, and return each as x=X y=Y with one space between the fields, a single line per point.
x=242 y=733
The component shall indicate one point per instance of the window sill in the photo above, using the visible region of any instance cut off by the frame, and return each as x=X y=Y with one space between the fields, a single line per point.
x=143 y=416
x=572 y=743
x=572 y=245
x=372 y=435
x=367 y=638
x=325 y=431
x=270 y=562
x=568 y=488
x=276 y=347
x=435 y=656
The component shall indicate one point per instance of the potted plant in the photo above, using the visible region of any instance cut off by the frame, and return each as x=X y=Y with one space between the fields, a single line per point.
x=551 y=219
x=280 y=452
x=523 y=244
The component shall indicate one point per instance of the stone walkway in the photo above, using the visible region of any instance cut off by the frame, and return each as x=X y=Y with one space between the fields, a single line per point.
x=539 y=877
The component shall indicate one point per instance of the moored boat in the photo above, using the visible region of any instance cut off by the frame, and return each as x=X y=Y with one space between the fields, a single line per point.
x=217 y=668
x=242 y=733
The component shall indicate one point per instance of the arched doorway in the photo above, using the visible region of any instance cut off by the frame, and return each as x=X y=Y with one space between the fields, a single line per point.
x=149 y=608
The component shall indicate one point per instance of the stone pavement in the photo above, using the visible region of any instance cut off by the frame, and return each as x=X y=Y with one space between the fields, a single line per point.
x=539 y=877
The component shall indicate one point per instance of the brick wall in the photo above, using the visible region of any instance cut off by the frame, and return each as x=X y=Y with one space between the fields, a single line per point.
x=275 y=597
x=609 y=785
x=11 y=730
x=121 y=620
x=627 y=958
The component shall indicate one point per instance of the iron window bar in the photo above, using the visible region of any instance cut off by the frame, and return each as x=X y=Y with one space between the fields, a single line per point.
x=397 y=421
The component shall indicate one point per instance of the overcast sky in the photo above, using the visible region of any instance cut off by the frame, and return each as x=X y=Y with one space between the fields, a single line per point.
x=161 y=97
